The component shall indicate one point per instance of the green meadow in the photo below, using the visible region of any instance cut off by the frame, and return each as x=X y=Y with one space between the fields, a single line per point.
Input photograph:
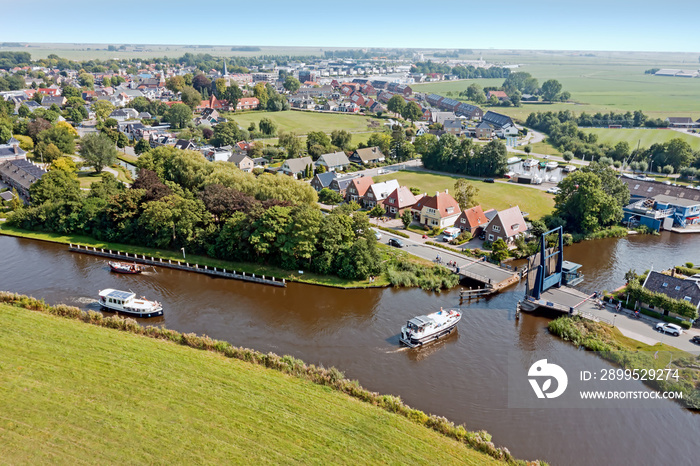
x=643 y=137
x=74 y=393
x=304 y=122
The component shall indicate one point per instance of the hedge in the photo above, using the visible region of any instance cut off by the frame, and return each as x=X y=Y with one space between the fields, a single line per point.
x=661 y=301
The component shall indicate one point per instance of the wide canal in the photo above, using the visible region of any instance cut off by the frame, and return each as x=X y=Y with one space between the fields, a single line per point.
x=463 y=378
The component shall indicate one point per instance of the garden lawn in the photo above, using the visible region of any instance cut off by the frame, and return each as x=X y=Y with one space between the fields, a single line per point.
x=644 y=137
x=498 y=196
x=304 y=122
x=74 y=393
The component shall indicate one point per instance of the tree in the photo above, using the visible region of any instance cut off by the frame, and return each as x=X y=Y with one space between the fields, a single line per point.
x=260 y=92
x=411 y=111
x=341 y=139
x=106 y=82
x=291 y=84
x=381 y=140
x=98 y=150
x=465 y=194
x=122 y=140
x=267 y=127
x=36 y=127
x=396 y=104
x=233 y=95
x=291 y=143
x=175 y=83
x=191 y=97
x=86 y=80
x=61 y=136
x=584 y=204
x=227 y=134
x=47 y=151
x=141 y=146
x=220 y=86
x=55 y=186
x=179 y=115
x=568 y=155
x=64 y=163
x=330 y=197
x=317 y=143
x=499 y=250
x=406 y=218
x=475 y=93
x=201 y=83
x=668 y=169
x=23 y=111
x=565 y=96
x=550 y=89
x=102 y=109
x=377 y=211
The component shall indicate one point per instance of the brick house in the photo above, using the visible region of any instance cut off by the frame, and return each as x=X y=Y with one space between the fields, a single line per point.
x=507 y=225
x=357 y=188
x=472 y=220
x=440 y=210
x=398 y=201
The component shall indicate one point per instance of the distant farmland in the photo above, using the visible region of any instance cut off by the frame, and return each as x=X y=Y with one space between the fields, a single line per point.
x=643 y=137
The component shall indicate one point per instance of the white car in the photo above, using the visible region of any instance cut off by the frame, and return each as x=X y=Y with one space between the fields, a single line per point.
x=377 y=235
x=673 y=329
x=554 y=190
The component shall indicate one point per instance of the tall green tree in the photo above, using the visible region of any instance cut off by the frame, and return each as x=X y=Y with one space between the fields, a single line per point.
x=584 y=204
x=411 y=111
x=341 y=139
x=98 y=151
x=396 y=104
x=190 y=97
x=291 y=84
x=550 y=89
x=465 y=194
x=179 y=115
x=233 y=94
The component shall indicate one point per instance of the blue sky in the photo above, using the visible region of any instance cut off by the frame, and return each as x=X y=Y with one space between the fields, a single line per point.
x=640 y=25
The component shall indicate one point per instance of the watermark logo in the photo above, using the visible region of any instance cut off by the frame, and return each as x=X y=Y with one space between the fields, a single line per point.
x=543 y=369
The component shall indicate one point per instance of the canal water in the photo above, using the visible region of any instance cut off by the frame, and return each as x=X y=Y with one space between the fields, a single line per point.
x=463 y=377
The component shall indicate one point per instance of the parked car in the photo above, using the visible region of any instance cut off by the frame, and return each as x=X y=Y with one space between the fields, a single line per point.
x=397 y=243
x=554 y=190
x=489 y=180
x=673 y=329
x=377 y=235
x=696 y=339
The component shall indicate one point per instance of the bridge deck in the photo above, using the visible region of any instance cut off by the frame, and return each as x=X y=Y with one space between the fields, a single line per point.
x=562 y=299
x=489 y=274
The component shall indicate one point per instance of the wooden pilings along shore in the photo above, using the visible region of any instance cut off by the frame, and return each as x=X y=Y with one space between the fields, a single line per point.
x=175 y=264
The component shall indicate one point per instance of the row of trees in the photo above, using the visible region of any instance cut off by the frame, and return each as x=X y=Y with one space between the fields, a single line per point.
x=179 y=200
x=462 y=156
x=462 y=72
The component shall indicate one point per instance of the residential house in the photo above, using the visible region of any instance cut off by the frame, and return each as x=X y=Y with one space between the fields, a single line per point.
x=441 y=117
x=340 y=185
x=398 y=201
x=483 y=130
x=674 y=122
x=367 y=155
x=657 y=205
x=260 y=162
x=336 y=161
x=357 y=188
x=185 y=144
x=330 y=106
x=212 y=103
x=453 y=127
x=472 y=220
x=247 y=103
x=217 y=154
x=323 y=180
x=48 y=100
x=243 y=162
x=440 y=210
x=500 y=95
x=470 y=111
x=503 y=125
x=674 y=287
x=377 y=192
x=293 y=167
x=123 y=114
x=507 y=225
x=20 y=174
x=11 y=151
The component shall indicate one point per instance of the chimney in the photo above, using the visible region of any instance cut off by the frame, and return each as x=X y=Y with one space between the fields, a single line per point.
x=437 y=193
x=16 y=147
x=446 y=191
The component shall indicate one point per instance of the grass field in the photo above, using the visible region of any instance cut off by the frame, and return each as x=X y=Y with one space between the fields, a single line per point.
x=645 y=137
x=304 y=122
x=80 y=394
x=491 y=195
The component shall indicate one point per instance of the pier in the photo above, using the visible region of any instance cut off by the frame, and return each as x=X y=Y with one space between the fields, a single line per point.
x=179 y=265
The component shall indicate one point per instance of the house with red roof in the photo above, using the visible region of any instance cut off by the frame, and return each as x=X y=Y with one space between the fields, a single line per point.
x=212 y=103
x=500 y=95
x=472 y=220
x=247 y=103
x=440 y=210
x=358 y=188
x=507 y=225
x=398 y=201
x=49 y=91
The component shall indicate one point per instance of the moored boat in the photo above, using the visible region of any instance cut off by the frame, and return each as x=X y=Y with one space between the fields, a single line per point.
x=125 y=302
x=529 y=163
x=124 y=267
x=569 y=169
x=552 y=165
x=513 y=160
x=426 y=328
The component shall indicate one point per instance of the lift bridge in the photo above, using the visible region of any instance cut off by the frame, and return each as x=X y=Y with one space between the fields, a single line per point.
x=550 y=279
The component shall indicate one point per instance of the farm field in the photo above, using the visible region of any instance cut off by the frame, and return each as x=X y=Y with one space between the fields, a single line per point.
x=77 y=393
x=645 y=137
x=304 y=122
x=491 y=195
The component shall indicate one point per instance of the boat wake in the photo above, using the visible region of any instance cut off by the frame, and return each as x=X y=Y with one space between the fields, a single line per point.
x=85 y=300
x=398 y=350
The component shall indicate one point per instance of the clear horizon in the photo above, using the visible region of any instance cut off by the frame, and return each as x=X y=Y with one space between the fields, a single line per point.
x=543 y=25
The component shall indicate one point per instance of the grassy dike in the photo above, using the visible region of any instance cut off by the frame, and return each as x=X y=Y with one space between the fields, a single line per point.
x=79 y=393
x=631 y=354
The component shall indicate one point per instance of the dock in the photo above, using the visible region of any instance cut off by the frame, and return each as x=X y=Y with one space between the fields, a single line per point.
x=175 y=264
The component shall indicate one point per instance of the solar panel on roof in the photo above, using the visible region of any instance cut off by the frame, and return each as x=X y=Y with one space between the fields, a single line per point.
x=123 y=295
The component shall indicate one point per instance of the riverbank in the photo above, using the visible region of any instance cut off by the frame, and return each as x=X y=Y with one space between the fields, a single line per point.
x=632 y=354
x=257 y=269
x=234 y=404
